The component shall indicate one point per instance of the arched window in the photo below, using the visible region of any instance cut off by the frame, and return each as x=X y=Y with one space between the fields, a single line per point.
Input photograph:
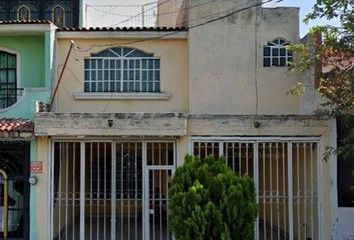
x=23 y=13
x=8 y=79
x=58 y=16
x=276 y=53
x=122 y=70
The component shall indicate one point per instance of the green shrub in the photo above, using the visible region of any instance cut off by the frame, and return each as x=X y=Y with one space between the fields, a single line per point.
x=209 y=201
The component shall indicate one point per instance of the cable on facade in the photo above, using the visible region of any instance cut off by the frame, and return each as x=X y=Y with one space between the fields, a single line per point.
x=72 y=44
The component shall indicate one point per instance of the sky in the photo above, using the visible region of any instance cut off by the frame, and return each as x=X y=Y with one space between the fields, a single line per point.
x=305 y=7
x=111 y=13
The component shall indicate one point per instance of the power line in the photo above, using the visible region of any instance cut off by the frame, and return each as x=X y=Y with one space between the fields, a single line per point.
x=178 y=31
x=126 y=20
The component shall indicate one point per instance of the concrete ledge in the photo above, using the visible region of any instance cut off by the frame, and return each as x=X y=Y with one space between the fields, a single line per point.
x=110 y=124
x=122 y=96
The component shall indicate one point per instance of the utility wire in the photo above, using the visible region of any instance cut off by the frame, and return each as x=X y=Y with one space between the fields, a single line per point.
x=139 y=14
x=158 y=37
x=177 y=31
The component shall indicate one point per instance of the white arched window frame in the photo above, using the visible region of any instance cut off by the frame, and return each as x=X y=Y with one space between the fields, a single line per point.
x=122 y=69
x=11 y=87
x=23 y=13
x=276 y=53
x=58 y=15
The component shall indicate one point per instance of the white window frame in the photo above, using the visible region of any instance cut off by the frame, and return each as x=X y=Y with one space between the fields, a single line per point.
x=119 y=84
x=20 y=93
x=276 y=45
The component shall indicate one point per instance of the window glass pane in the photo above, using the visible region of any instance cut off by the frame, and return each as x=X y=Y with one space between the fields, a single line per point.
x=137 y=86
x=125 y=87
x=131 y=64
x=106 y=64
x=150 y=87
x=118 y=64
x=157 y=64
x=112 y=75
x=290 y=53
x=151 y=75
x=105 y=87
x=112 y=86
x=157 y=75
x=3 y=60
x=87 y=75
x=144 y=63
x=106 y=75
x=144 y=86
x=137 y=75
x=282 y=61
x=275 y=51
x=282 y=51
x=99 y=86
x=125 y=64
x=151 y=64
x=144 y=75
x=87 y=87
x=131 y=75
x=112 y=64
x=99 y=75
x=266 y=51
x=131 y=86
x=118 y=75
x=87 y=63
x=137 y=63
x=11 y=61
x=3 y=77
x=275 y=62
x=157 y=86
x=125 y=74
x=266 y=62
x=93 y=75
x=93 y=87
x=99 y=63
x=93 y=63
x=12 y=76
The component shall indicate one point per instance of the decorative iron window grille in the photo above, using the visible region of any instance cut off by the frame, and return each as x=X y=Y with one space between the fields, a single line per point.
x=8 y=79
x=58 y=16
x=23 y=13
x=276 y=53
x=122 y=70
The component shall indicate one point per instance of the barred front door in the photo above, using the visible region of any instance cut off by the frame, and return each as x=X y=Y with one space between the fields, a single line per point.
x=111 y=189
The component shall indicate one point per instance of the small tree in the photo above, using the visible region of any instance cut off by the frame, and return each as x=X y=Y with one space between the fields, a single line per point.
x=209 y=201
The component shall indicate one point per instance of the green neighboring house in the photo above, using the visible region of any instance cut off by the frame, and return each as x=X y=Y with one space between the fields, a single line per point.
x=26 y=62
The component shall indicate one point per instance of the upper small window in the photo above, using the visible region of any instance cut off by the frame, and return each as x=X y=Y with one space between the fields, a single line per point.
x=23 y=13
x=122 y=70
x=276 y=53
x=58 y=16
x=8 y=82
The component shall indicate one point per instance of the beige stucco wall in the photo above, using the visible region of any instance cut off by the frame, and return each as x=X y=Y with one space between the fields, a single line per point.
x=226 y=60
x=173 y=54
x=42 y=190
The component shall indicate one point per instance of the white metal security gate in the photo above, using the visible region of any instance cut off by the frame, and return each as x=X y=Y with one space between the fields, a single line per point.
x=286 y=178
x=111 y=189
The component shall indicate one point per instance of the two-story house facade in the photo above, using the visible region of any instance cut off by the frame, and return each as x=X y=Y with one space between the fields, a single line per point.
x=26 y=61
x=129 y=103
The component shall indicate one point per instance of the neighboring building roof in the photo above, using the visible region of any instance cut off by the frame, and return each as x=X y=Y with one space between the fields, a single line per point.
x=16 y=125
x=123 y=29
x=25 y=22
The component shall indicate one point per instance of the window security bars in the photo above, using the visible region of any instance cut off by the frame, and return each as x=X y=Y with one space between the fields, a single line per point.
x=122 y=70
x=8 y=79
x=276 y=53
x=280 y=169
x=111 y=190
